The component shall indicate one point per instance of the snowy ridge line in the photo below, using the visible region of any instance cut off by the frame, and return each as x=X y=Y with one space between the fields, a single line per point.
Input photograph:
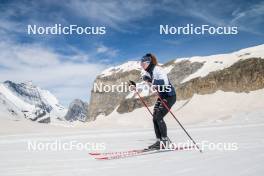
x=12 y=105
x=127 y=66
x=221 y=61
x=18 y=102
x=211 y=62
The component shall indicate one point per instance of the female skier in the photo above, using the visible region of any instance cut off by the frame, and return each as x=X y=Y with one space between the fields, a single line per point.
x=155 y=75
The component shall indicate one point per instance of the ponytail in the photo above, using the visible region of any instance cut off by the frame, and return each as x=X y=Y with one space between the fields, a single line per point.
x=153 y=59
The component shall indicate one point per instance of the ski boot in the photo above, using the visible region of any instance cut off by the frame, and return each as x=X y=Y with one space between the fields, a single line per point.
x=155 y=146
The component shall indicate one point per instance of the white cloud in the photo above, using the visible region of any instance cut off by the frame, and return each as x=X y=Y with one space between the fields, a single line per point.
x=117 y=14
x=123 y=15
x=222 y=13
x=27 y=55
x=102 y=49
x=250 y=18
x=67 y=79
x=67 y=76
x=110 y=52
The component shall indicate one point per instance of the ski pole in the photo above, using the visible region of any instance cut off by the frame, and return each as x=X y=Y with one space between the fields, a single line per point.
x=166 y=106
x=134 y=84
x=144 y=102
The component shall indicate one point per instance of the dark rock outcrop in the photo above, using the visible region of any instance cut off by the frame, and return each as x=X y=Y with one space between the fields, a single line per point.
x=243 y=76
x=181 y=70
x=106 y=102
x=77 y=111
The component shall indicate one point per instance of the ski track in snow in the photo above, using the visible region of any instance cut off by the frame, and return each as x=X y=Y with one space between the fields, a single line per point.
x=247 y=160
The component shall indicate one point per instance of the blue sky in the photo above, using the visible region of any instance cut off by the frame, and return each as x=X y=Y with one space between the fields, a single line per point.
x=67 y=65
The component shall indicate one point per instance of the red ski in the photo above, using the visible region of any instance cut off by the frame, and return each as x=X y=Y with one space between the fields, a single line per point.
x=131 y=153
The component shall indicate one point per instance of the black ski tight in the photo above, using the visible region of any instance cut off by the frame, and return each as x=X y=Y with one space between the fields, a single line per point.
x=160 y=111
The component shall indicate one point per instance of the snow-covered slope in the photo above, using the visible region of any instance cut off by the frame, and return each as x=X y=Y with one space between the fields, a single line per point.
x=220 y=107
x=25 y=100
x=221 y=61
x=128 y=66
x=242 y=125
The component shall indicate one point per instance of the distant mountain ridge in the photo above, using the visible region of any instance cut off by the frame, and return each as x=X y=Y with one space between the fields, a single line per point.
x=25 y=100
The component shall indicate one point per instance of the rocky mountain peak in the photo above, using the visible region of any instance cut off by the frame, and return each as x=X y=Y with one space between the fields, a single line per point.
x=77 y=110
x=25 y=100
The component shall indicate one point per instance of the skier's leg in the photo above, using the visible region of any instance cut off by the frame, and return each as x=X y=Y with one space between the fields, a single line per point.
x=158 y=136
x=156 y=129
x=158 y=119
x=156 y=125
x=161 y=113
x=160 y=126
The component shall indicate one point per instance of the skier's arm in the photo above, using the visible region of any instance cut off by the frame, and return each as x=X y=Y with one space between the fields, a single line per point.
x=146 y=76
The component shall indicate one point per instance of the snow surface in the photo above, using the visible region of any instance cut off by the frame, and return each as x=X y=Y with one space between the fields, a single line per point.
x=10 y=101
x=221 y=61
x=225 y=117
x=58 y=110
x=14 y=99
x=168 y=68
x=128 y=66
x=217 y=108
x=247 y=160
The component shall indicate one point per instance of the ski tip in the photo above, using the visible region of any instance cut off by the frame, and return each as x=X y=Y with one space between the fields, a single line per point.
x=94 y=153
x=102 y=158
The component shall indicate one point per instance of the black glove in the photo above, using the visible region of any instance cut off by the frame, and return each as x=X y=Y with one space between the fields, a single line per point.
x=131 y=83
x=147 y=78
